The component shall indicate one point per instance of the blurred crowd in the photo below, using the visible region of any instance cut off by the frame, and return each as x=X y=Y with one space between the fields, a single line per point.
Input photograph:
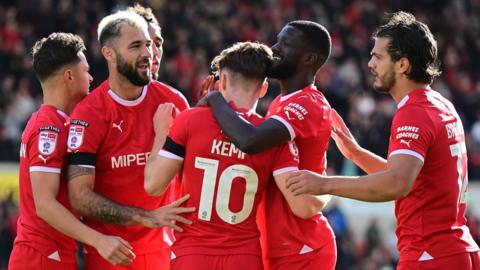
x=196 y=30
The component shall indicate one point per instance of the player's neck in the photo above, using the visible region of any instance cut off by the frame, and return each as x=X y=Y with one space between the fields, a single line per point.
x=296 y=82
x=57 y=97
x=242 y=99
x=123 y=87
x=405 y=87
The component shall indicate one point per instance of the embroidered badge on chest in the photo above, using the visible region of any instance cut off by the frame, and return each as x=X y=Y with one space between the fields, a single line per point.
x=47 y=140
x=75 y=136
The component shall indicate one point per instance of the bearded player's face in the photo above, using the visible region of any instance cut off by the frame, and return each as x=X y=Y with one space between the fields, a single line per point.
x=134 y=55
x=382 y=67
x=287 y=53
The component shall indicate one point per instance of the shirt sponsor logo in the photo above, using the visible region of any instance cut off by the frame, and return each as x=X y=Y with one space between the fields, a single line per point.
x=75 y=136
x=408 y=132
x=47 y=141
x=139 y=159
x=293 y=110
x=226 y=149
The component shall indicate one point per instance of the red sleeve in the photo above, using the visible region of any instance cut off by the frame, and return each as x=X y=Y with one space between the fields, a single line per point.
x=46 y=148
x=286 y=158
x=412 y=132
x=180 y=102
x=303 y=117
x=87 y=129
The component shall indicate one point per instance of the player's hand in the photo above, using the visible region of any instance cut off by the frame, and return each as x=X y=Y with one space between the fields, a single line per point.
x=169 y=215
x=209 y=85
x=342 y=136
x=115 y=250
x=163 y=118
x=306 y=182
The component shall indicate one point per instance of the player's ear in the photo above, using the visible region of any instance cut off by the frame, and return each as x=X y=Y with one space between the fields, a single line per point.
x=403 y=65
x=264 y=88
x=109 y=54
x=310 y=59
x=222 y=85
x=68 y=76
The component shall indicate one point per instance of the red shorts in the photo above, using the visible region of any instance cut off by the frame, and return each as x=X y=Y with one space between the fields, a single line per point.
x=217 y=262
x=323 y=258
x=157 y=260
x=464 y=261
x=24 y=257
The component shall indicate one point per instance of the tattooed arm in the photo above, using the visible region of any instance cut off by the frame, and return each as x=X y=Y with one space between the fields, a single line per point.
x=96 y=207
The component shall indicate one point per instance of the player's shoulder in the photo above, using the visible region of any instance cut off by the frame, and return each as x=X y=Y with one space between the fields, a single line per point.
x=95 y=100
x=49 y=116
x=196 y=113
x=165 y=89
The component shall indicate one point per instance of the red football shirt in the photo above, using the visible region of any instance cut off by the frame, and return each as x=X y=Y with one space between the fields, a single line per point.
x=120 y=133
x=43 y=149
x=306 y=114
x=225 y=184
x=431 y=219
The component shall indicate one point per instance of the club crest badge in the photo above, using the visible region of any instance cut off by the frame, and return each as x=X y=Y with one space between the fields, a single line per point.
x=75 y=136
x=47 y=141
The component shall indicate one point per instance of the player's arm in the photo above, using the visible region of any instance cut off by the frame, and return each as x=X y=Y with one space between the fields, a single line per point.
x=92 y=205
x=346 y=143
x=159 y=172
x=45 y=186
x=392 y=184
x=302 y=206
x=247 y=137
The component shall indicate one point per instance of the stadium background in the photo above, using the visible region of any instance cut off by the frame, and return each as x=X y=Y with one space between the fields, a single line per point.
x=195 y=31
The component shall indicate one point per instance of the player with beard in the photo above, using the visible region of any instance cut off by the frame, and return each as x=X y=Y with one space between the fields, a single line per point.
x=426 y=169
x=300 y=114
x=110 y=137
x=46 y=229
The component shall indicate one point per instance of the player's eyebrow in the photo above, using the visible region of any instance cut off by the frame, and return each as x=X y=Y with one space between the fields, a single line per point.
x=135 y=43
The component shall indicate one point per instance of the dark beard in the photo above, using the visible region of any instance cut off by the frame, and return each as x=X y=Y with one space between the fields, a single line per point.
x=130 y=73
x=387 y=82
x=283 y=70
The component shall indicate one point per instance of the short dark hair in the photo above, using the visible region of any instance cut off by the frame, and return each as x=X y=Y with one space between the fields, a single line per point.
x=413 y=40
x=54 y=52
x=145 y=12
x=250 y=59
x=317 y=37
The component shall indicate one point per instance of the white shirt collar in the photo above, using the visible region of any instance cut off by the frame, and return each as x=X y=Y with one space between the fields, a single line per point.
x=64 y=115
x=403 y=101
x=129 y=103
x=283 y=98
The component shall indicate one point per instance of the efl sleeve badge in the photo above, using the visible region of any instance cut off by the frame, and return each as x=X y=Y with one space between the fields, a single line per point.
x=75 y=136
x=47 y=141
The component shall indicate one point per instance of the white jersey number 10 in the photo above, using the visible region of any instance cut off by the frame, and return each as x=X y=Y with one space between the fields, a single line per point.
x=210 y=166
